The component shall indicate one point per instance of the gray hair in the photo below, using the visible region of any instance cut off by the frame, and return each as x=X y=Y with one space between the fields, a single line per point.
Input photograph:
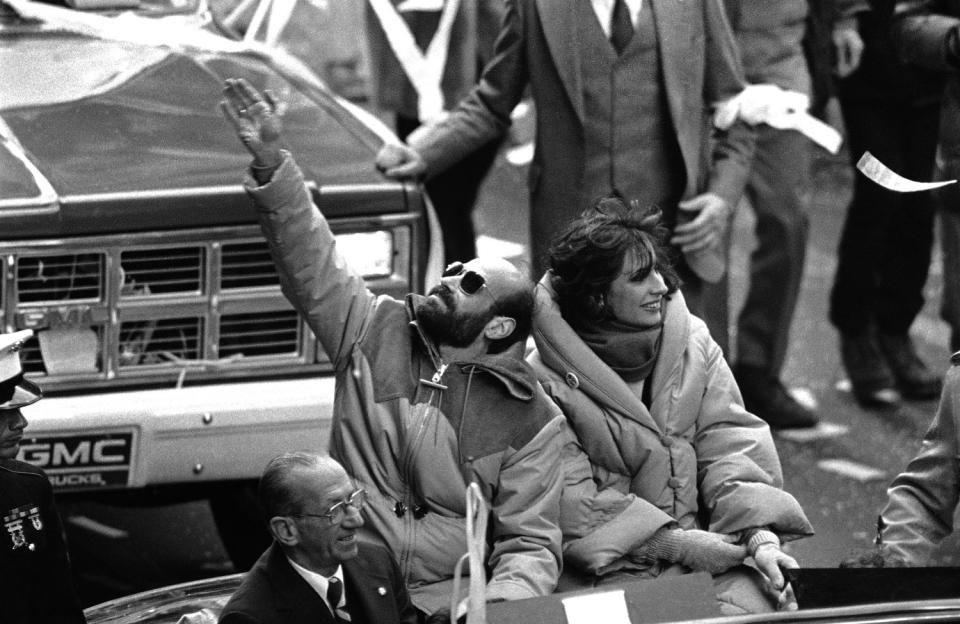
x=276 y=496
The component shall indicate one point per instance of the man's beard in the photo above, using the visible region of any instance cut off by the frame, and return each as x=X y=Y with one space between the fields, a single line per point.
x=444 y=325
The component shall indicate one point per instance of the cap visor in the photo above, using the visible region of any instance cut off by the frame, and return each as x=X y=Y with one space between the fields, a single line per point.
x=25 y=393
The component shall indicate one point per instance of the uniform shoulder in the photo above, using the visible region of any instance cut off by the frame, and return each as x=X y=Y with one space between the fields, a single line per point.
x=19 y=467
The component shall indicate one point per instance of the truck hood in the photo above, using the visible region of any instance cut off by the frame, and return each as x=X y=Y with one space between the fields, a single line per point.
x=98 y=131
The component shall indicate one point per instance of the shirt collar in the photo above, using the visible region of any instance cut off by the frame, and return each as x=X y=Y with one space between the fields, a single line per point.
x=604 y=11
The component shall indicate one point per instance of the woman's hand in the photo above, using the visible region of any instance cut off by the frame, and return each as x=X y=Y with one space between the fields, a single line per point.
x=701 y=551
x=771 y=561
x=253 y=117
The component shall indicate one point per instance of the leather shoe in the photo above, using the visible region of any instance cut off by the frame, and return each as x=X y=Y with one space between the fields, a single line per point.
x=915 y=380
x=765 y=396
x=871 y=379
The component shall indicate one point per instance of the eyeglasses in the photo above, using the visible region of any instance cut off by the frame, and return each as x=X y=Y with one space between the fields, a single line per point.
x=338 y=511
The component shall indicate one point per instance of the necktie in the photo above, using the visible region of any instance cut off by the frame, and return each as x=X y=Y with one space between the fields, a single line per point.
x=334 y=593
x=621 y=26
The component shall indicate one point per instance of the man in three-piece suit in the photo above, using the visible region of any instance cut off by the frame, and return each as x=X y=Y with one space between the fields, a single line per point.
x=622 y=90
x=316 y=570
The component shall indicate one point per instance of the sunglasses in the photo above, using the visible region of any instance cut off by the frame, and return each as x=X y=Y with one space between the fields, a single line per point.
x=470 y=282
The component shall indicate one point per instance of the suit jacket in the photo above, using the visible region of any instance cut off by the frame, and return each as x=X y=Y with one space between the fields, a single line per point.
x=274 y=593
x=36 y=584
x=537 y=46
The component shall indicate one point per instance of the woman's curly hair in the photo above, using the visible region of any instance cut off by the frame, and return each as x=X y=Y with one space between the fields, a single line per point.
x=589 y=254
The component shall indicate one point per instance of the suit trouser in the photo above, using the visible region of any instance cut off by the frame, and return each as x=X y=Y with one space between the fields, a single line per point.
x=884 y=251
x=776 y=190
x=454 y=195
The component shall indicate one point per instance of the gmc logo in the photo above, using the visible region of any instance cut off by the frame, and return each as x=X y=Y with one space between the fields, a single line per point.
x=77 y=451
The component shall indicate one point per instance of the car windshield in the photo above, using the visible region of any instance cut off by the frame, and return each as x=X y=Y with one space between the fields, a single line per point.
x=146 y=90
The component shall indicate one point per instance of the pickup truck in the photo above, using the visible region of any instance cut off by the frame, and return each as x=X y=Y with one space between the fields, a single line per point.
x=169 y=358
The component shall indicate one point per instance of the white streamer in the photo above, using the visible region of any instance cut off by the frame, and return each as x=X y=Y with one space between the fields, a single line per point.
x=425 y=71
x=778 y=108
x=475 y=604
x=887 y=178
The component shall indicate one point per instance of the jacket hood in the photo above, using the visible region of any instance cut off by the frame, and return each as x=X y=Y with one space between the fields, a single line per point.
x=562 y=350
x=509 y=367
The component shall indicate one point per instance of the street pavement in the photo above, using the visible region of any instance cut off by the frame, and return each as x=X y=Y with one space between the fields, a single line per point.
x=838 y=472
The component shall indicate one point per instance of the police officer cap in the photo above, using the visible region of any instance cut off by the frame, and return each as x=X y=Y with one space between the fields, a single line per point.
x=15 y=391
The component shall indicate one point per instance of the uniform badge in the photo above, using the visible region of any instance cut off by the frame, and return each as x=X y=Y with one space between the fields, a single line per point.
x=15 y=529
x=35 y=519
x=13 y=521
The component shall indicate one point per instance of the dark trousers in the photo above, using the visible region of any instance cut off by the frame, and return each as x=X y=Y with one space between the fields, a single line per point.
x=454 y=195
x=776 y=190
x=884 y=252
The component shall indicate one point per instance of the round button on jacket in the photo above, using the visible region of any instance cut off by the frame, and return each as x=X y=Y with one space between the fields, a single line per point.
x=673 y=482
x=572 y=380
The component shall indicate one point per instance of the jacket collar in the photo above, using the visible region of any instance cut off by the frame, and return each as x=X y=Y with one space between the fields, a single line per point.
x=363 y=583
x=559 y=21
x=293 y=594
x=508 y=368
x=565 y=353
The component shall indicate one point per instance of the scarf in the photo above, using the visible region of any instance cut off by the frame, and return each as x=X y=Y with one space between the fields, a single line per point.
x=630 y=350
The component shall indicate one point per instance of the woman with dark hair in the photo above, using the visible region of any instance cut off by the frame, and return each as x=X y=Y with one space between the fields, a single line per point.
x=657 y=411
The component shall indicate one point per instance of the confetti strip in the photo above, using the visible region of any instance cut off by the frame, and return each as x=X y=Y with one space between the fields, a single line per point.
x=885 y=177
x=851 y=469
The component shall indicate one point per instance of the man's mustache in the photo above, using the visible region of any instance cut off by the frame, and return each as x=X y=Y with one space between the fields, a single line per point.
x=444 y=293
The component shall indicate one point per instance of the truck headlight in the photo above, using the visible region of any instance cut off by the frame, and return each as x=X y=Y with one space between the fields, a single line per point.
x=369 y=253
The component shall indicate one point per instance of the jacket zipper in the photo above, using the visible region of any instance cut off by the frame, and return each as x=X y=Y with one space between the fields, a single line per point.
x=409 y=454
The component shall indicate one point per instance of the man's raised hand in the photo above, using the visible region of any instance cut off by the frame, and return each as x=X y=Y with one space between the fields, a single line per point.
x=253 y=117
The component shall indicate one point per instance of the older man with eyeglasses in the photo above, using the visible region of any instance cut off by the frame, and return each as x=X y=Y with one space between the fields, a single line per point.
x=432 y=392
x=317 y=569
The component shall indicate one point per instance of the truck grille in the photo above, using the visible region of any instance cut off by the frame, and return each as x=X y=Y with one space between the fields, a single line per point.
x=162 y=271
x=266 y=333
x=167 y=307
x=162 y=341
x=245 y=265
x=62 y=277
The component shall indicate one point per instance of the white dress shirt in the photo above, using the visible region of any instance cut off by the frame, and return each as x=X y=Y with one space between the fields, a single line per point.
x=604 y=11
x=319 y=583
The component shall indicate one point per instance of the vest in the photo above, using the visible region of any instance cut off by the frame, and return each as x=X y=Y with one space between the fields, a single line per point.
x=631 y=144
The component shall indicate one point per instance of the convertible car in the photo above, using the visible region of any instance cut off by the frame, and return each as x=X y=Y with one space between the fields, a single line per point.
x=200 y=602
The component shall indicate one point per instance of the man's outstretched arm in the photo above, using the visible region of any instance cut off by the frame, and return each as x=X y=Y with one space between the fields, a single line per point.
x=318 y=282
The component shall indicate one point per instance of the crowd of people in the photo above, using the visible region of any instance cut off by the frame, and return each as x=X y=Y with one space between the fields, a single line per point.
x=628 y=444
